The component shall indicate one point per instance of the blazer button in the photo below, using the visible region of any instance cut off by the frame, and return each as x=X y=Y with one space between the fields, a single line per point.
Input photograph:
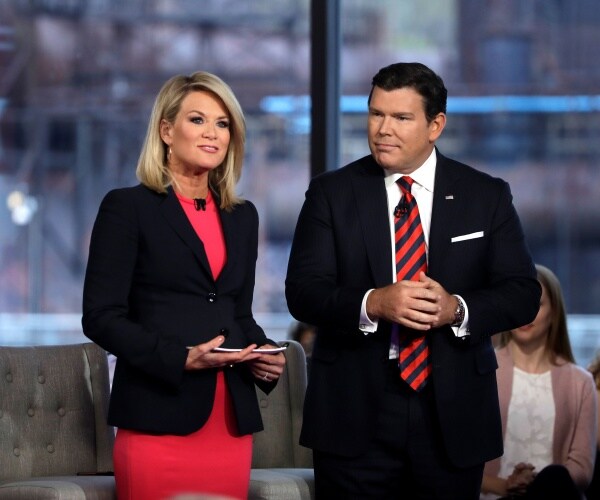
x=211 y=297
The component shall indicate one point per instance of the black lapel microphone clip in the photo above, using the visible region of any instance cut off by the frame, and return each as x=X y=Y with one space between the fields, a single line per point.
x=200 y=204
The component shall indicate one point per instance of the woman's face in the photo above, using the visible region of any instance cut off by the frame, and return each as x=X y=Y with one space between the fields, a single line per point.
x=200 y=135
x=537 y=331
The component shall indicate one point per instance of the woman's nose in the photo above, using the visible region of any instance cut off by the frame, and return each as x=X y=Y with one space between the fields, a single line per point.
x=209 y=130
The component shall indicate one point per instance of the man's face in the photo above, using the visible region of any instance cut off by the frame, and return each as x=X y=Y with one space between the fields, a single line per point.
x=400 y=138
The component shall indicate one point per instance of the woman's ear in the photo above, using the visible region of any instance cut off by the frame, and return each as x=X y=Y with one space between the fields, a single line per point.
x=165 y=131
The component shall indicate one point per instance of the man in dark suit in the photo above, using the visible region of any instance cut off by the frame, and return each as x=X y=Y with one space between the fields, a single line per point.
x=373 y=435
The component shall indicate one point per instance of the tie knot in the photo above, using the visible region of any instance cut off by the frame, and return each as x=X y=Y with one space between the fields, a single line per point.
x=405 y=182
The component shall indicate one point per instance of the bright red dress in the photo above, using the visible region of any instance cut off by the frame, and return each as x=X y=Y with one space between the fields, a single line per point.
x=214 y=459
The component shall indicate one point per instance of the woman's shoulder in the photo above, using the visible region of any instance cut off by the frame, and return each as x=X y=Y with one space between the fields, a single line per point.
x=131 y=191
x=245 y=207
x=131 y=194
x=504 y=374
x=503 y=354
x=577 y=373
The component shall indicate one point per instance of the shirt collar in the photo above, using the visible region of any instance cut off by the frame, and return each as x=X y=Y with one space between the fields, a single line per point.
x=424 y=175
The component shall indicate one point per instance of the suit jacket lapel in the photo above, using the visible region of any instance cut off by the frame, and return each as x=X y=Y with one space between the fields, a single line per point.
x=175 y=216
x=442 y=213
x=371 y=199
x=229 y=232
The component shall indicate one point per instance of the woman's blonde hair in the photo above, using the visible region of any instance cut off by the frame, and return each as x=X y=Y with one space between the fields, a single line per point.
x=152 y=170
x=557 y=343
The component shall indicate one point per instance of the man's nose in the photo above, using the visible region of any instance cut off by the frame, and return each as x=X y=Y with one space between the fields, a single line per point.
x=385 y=126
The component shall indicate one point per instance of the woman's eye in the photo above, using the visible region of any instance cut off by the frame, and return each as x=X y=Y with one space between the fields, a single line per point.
x=197 y=120
x=223 y=124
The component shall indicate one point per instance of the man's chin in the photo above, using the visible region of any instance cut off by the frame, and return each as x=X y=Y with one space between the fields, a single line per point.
x=384 y=161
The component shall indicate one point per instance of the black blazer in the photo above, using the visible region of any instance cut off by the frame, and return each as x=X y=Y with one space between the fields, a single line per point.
x=149 y=293
x=342 y=248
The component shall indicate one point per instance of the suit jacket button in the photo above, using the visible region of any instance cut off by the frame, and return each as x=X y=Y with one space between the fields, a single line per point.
x=211 y=297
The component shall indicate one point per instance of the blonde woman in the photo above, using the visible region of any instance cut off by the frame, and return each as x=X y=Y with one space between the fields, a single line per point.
x=169 y=280
x=548 y=407
x=594 y=490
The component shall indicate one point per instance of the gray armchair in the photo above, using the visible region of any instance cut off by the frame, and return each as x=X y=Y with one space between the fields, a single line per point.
x=53 y=405
x=281 y=468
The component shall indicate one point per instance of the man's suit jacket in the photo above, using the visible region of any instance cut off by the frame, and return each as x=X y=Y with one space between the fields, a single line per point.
x=149 y=293
x=342 y=248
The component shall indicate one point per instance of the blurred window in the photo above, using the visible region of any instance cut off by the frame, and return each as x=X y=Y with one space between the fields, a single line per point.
x=78 y=78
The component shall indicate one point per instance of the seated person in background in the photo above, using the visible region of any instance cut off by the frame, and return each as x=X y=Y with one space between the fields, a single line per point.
x=548 y=408
x=594 y=489
x=305 y=334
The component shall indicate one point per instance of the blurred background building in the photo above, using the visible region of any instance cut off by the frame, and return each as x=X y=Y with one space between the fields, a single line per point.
x=78 y=78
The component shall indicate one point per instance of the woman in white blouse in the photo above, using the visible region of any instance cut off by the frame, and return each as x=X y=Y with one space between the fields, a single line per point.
x=548 y=407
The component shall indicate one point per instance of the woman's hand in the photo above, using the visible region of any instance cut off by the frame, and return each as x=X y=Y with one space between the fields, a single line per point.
x=201 y=356
x=267 y=367
x=522 y=475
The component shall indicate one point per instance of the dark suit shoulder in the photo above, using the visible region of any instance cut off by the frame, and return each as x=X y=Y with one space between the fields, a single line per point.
x=366 y=166
x=454 y=170
x=130 y=205
x=133 y=193
x=245 y=206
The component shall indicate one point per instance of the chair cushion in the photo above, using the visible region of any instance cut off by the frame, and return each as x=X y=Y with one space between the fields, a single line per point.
x=53 y=405
x=276 y=484
x=281 y=410
x=60 y=488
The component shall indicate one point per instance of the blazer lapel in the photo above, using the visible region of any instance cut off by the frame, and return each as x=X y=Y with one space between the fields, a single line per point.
x=442 y=213
x=371 y=199
x=229 y=234
x=176 y=218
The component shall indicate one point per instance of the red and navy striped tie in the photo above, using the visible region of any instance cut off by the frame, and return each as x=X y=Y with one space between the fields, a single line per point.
x=411 y=259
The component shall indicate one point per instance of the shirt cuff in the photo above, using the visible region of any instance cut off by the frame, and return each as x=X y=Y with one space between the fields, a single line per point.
x=462 y=330
x=366 y=324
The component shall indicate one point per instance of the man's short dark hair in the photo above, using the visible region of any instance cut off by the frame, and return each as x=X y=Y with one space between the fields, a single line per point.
x=417 y=76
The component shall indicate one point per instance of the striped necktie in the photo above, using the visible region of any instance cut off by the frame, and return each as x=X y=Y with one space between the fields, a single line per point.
x=411 y=259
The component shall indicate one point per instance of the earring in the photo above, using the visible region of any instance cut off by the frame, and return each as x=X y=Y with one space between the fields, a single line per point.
x=169 y=154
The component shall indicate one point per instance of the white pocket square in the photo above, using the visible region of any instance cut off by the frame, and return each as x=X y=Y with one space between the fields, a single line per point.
x=470 y=236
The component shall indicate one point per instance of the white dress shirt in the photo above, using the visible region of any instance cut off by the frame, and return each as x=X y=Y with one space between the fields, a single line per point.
x=422 y=189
